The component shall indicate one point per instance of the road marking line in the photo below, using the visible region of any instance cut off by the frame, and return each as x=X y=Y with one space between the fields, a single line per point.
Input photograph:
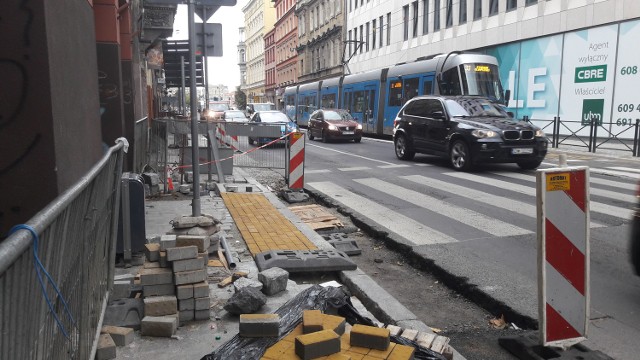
x=502 y=202
x=598 y=207
x=355 y=168
x=394 y=166
x=404 y=226
x=350 y=154
x=319 y=171
x=599 y=192
x=463 y=215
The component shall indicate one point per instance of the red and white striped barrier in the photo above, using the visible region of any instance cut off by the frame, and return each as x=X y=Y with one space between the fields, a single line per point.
x=563 y=255
x=296 y=161
x=224 y=139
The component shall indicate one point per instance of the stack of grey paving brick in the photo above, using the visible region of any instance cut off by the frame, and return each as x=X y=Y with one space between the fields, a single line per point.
x=158 y=289
x=189 y=258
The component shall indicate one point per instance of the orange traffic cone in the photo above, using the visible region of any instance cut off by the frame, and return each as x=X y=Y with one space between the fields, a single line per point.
x=170 y=182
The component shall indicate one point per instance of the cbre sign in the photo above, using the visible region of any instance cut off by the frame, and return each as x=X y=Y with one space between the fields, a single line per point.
x=591 y=74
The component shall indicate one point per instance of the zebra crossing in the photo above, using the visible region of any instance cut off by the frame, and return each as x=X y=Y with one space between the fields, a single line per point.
x=463 y=199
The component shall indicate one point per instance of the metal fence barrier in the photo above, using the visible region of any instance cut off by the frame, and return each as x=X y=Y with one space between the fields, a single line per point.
x=76 y=239
x=140 y=145
x=573 y=133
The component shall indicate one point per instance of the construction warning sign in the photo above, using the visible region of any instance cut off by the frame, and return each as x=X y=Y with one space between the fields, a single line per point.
x=558 y=181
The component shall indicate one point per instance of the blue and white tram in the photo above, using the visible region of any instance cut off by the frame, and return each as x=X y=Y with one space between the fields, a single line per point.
x=375 y=97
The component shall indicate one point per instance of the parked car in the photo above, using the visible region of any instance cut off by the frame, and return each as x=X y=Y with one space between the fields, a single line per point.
x=234 y=116
x=253 y=107
x=635 y=235
x=272 y=117
x=468 y=130
x=333 y=124
x=215 y=111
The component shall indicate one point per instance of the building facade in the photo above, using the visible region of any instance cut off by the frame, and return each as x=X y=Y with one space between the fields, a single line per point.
x=320 y=37
x=270 y=66
x=567 y=59
x=286 y=34
x=259 y=17
x=242 y=59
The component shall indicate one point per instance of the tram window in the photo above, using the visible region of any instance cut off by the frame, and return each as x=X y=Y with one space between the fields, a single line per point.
x=329 y=101
x=410 y=89
x=372 y=100
x=359 y=101
x=395 y=93
x=450 y=84
x=427 y=87
x=347 y=101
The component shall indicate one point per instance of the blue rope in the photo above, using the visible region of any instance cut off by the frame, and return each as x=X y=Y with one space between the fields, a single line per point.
x=39 y=267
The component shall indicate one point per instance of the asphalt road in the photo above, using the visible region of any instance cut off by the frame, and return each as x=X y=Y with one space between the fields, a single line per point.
x=477 y=232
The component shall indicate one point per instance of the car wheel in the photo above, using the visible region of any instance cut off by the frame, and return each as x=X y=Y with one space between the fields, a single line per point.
x=324 y=136
x=311 y=137
x=460 y=156
x=529 y=165
x=403 y=150
x=357 y=140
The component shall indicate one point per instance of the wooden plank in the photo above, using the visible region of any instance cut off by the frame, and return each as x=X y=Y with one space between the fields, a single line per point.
x=223 y=259
x=226 y=281
x=439 y=343
x=215 y=263
x=425 y=339
x=409 y=334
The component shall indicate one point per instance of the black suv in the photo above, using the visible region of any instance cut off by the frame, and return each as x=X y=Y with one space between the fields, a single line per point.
x=468 y=130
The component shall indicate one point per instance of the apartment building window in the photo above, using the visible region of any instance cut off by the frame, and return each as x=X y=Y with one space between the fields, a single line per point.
x=414 y=10
x=367 y=39
x=405 y=20
x=356 y=4
x=530 y=2
x=425 y=17
x=389 y=28
x=436 y=15
x=317 y=18
x=477 y=9
x=355 y=38
x=493 y=7
x=512 y=4
x=350 y=5
x=374 y=32
x=350 y=43
x=381 y=31
x=361 y=38
x=463 y=12
x=449 y=20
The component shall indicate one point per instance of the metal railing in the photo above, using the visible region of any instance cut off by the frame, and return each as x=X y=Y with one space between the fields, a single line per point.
x=140 y=145
x=573 y=133
x=74 y=244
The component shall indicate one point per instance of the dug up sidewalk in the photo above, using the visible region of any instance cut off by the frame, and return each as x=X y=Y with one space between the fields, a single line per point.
x=176 y=319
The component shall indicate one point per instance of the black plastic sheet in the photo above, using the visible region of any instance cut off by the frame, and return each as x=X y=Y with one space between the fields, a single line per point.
x=326 y=299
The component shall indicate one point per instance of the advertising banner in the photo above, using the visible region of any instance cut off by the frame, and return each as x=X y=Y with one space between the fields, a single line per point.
x=589 y=59
x=626 y=104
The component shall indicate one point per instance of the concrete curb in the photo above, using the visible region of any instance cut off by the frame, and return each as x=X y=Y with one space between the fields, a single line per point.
x=377 y=300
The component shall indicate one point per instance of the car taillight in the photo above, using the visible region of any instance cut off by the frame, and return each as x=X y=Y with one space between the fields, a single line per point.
x=395 y=122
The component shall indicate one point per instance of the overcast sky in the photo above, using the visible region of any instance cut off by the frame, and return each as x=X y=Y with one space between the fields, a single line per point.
x=222 y=70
